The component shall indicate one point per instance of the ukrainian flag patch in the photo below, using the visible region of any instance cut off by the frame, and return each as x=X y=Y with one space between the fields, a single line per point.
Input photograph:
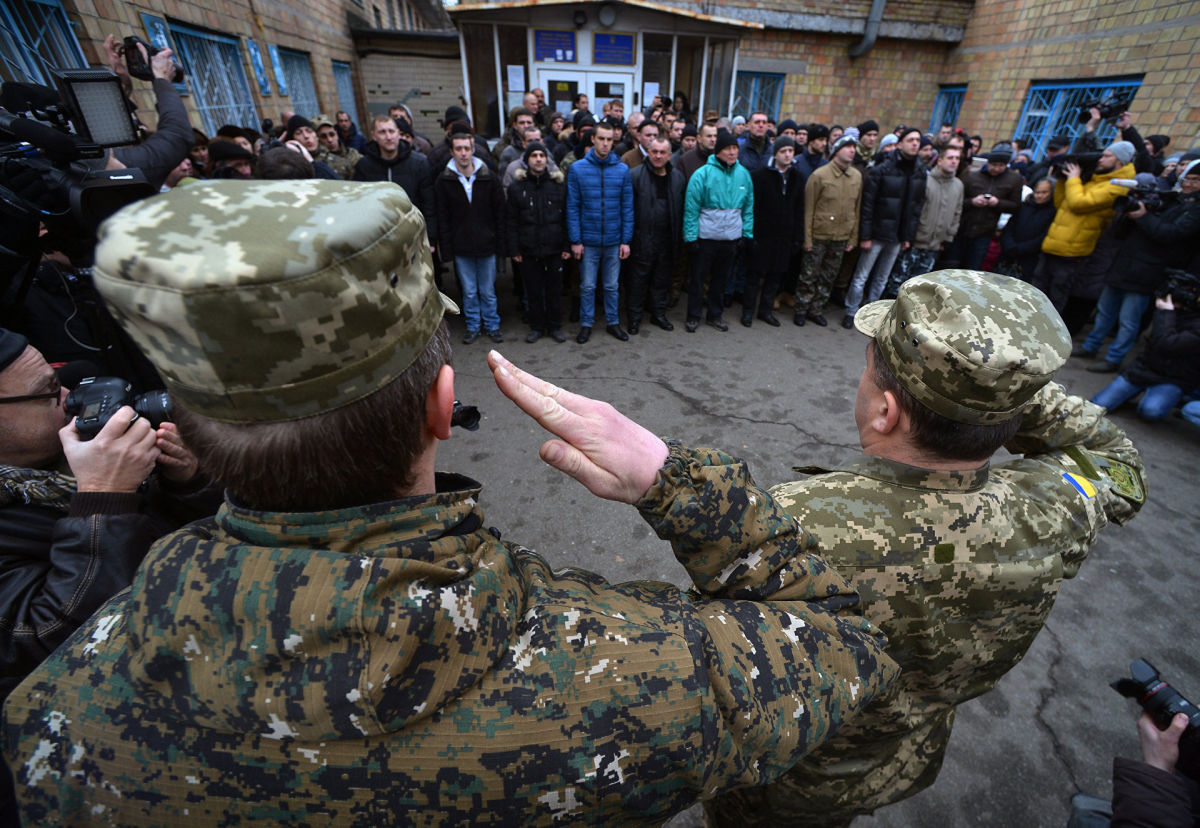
x=1081 y=484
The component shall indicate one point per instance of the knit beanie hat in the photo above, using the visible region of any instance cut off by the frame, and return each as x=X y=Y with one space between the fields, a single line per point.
x=725 y=139
x=788 y=123
x=851 y=132
x=847 y=138
x=1122 y=149
x=888 y=140
x=783 y=141
x=295 y=122
x=690 y=131
x=532 y=147
x=868 y=126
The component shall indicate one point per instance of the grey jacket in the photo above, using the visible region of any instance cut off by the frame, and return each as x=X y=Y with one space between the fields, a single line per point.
x=941 y=212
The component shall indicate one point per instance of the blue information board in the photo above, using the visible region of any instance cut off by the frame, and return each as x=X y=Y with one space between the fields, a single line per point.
x=554 y=44
x=612 y=48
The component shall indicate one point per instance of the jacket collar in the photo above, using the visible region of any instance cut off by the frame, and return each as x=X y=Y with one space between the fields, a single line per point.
x=915 y=477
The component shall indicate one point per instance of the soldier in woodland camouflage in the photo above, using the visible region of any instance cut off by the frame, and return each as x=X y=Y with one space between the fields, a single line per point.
x=345 y=642
x=957 y=561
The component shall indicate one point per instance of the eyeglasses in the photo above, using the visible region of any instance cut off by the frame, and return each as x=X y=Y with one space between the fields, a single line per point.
x=48 y=395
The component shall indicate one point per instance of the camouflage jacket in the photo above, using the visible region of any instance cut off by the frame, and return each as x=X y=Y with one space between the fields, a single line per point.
x=960 y=570
x=341 y=163
x=397 y=663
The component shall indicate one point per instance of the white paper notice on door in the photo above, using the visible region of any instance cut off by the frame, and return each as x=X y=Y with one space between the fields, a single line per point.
x=516 y=78
x=649 y=90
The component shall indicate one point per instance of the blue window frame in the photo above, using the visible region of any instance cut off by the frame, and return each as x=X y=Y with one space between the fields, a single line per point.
x=35 y=37
x=343 y=79
x=758 y=90
x=946 y=107
x=300 y=82
x=214 y=68
x=1052 y=108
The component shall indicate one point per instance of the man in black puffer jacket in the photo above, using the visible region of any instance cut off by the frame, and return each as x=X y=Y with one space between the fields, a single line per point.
x=1152 y=243
x=390 y=158
x=537 y=239
x=892 y=197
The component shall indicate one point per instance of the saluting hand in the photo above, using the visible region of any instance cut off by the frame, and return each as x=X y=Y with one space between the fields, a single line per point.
x=610 y=454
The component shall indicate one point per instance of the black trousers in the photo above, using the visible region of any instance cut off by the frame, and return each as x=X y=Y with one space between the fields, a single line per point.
x=1055 y=276
x=650 y=272
x=715 y=258
x=543 y=282
x=752 y=304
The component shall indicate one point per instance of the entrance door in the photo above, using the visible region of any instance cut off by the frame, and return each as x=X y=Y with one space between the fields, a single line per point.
x=562 y=85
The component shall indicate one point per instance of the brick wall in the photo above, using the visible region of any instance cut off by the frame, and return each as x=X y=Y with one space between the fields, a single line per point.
x=1009 y=44
x=319 y=28
x=896 y=82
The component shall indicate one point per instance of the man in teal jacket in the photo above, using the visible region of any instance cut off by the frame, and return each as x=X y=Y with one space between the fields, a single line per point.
x=718 y=213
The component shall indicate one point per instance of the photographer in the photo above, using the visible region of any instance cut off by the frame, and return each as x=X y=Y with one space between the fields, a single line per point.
x=1152 y=793
x=1150 y=243
x=173 y=138
x=1089 y=141
x=1169 y=367
x=73 y=525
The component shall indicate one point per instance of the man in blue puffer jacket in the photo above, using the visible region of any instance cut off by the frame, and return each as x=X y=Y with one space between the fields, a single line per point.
x=718 y=212
x=600 y=227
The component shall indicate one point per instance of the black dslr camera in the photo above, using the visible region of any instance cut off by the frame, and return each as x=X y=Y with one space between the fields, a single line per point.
x=95 y=399
x=139 y=66
x=1163 y=702
x=1110 y=107
x=1183 y=288
x=1087 y=162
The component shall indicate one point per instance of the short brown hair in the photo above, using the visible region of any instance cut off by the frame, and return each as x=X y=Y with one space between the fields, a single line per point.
x=945 y=438
x=360 y=453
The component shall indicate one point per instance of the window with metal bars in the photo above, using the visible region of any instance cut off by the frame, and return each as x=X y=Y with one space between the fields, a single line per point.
x=298 y=72
x=946 y=107
x=35 y=37
x=343 y=78
x=218 y=81
x=1053 y=108
x=758 y=91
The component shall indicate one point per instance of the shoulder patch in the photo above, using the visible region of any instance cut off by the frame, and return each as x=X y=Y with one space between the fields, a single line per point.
x=1125 y=479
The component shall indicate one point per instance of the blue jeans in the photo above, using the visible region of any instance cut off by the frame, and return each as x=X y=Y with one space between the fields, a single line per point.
x=975 y=251
x=1191 y=413
x=607 y=261
x=1124 y=309
x=1156 y=403
x=477 y=275
x=871 y=275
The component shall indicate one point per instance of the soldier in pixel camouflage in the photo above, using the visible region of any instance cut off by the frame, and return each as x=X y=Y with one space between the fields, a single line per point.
x=958 y=561
x=346 y=642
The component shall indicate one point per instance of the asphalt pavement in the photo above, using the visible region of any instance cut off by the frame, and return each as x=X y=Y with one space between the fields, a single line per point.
x=784 y=397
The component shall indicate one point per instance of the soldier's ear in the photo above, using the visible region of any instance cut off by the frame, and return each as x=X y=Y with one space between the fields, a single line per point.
x=888 y=418
x=439 y=404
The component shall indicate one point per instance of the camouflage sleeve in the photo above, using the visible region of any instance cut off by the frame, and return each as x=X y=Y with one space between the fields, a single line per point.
x=1060 y=428
x=733 y=538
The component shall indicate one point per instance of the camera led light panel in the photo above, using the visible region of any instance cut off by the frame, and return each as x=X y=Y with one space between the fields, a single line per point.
x=96 y=97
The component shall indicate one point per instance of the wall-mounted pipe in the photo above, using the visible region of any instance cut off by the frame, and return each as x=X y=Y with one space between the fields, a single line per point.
x=872 y=31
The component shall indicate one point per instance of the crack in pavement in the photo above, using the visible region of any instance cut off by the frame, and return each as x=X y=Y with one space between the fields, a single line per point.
x=1044 y=700
x=698 y=404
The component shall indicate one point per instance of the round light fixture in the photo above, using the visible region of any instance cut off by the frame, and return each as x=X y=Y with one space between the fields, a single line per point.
x=607 y=15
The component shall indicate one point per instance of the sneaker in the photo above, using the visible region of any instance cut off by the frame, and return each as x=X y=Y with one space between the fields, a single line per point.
x=495 y=336
x=691 y=325
x=1080 y=351
x=719 y=324
x=470 y=337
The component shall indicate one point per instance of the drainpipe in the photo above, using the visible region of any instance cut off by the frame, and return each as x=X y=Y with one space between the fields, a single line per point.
x=872 y=30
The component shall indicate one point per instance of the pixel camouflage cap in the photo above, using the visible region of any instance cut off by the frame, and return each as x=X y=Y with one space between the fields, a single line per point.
x=973 y=347
x=267 y=301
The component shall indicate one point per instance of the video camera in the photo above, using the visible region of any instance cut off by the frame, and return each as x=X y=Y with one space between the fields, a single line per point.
x=139 y=67
x=1183 y=288
x=1149 y=195
x=95 y=399
x=1163 y=702
x=1087 y=162
x=1110 y=106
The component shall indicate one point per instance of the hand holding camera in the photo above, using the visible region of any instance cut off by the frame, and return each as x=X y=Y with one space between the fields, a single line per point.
x=118 y=459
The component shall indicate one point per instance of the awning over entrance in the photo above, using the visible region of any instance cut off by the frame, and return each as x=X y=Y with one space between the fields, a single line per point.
x=628 y=51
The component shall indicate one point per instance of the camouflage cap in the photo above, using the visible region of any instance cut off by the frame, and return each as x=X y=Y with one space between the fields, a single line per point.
x=265 y=301
x=974 y=347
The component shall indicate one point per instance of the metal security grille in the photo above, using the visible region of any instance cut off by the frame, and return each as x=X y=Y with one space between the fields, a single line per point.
x=218 y=81
x=1053 y=109
x=35 y=37
x=758 y=90
x=343 y=78
x=946 y=107
x=298 y=72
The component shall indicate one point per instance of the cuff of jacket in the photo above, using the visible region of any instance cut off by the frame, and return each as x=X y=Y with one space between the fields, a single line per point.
x=86 y=504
